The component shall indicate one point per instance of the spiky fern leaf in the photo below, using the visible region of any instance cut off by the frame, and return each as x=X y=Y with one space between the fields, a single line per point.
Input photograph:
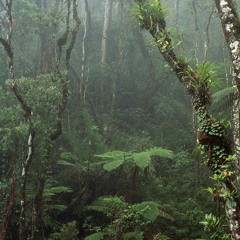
x=149 y=210
x=225 y=96
x=107 y=205
x=116 y=159
x=161 y=152
x=95 y=236
x=142 y=159
x=133 y=236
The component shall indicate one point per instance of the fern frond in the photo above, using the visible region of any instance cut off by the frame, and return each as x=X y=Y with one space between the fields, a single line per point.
x=114 y=155
x=161 y=152
x=133 y=236
x=107 y=204
x=95 y=236
x=49 y=192
x=142 y=159
x=149 y=210
x=114 y=159
x=165 y=215
x=65 y=163
x=113 y=165
x=224 y=96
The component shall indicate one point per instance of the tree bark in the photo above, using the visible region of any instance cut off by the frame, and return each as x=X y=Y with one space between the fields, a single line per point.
x=85 y=48
x=231 y=28
x=8 y=211
x=104 y=47
x=46 y=53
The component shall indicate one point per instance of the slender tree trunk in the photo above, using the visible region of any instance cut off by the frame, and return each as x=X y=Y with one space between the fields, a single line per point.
x=8 y=210
x=207 y=42
x=115 y=74
x=104 y=48
x=177 y=4
x=85 y=48
x=37 y=218
x=25 y=168
x=7 y=43
x=196 y=49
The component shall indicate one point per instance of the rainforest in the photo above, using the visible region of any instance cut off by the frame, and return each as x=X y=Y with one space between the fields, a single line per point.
x=119 y=119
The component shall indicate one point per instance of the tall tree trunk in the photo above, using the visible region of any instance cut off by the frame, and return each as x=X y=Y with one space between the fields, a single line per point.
x=104 y=48
x=115 y=73
x=85 y=49
x=46 y=53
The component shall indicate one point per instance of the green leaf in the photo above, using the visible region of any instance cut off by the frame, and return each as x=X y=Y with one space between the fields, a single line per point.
x=113 y=165
x=148 y=210
x=65 y=163
x=133 y=236
x=142 y=159
x=161 y=152
x=95 y=236
x=48 y=192
x=115 y=155
x=107 y=204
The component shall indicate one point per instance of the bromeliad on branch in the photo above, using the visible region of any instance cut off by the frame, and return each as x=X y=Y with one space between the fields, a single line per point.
x=198 y=83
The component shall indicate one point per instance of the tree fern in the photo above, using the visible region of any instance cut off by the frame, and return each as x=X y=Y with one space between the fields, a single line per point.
x=115 y=159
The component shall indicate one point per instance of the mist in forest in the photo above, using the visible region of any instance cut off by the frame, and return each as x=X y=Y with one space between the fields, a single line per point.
x=119 y=119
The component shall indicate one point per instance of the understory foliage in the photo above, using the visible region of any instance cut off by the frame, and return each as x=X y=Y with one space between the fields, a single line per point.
x=125 y=221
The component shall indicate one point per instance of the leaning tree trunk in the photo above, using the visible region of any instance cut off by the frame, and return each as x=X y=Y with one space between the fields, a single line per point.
x=211 y=134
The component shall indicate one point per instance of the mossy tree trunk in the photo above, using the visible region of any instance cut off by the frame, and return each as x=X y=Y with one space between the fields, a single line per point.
x=211 y=135
x=231 y=28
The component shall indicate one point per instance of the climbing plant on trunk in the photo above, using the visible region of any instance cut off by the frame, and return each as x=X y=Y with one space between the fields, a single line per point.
x=198 y=83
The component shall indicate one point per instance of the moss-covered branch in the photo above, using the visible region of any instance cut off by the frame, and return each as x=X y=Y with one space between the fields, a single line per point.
x=211 y=135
